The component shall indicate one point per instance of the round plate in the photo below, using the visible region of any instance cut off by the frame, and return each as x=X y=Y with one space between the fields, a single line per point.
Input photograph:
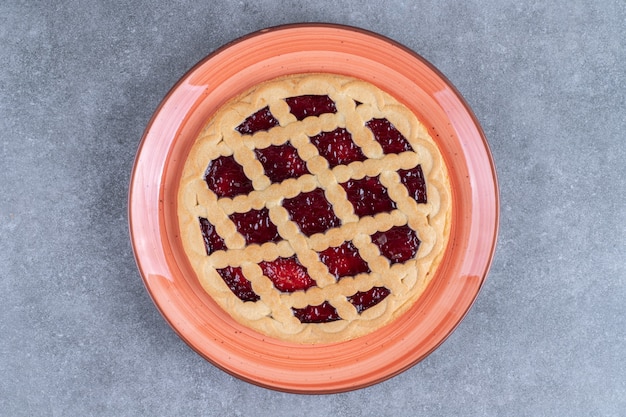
x=197 y=318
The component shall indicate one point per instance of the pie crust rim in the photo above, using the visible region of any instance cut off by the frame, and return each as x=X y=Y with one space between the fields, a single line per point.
x=430 y=220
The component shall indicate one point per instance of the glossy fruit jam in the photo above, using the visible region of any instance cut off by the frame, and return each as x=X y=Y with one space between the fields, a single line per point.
x=311 y=211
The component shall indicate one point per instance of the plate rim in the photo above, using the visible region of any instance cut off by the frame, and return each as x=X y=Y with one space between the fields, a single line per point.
x=158 y=111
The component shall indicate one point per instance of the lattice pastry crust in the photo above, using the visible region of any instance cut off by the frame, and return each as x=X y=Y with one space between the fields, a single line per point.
x=272 y=312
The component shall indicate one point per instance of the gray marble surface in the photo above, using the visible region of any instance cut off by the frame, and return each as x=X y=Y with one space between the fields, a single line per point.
x=79 y=334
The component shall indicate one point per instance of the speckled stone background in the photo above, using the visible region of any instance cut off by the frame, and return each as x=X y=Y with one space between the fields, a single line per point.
x=79 y=335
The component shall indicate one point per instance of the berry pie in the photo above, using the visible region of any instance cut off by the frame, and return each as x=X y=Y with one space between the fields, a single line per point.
x=314 y=208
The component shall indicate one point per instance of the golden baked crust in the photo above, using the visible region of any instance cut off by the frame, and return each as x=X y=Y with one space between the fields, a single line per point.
x=356 y=102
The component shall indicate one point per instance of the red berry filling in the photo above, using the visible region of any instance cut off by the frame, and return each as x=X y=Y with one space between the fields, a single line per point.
x=344 y=260
x=364 y=300
x=413 y=180
x=238 y=284
x=256 y=226
x=390 y=139
x=398 y=244
x=225 y=177
x=337 y=147
x=322 y=313
x=212 y=241
x=281 y=162
x=287 y=274
x=261 y=120
x=311 y=212
x=368 y=196
x=310 y=105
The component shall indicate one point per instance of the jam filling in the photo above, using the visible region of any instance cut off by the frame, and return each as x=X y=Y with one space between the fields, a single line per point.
x=262 y=120
x=311 y=212
x=225 y=177
x=310 y=105
x=368 y=196
x=256 y=226
x=337 y=147
x=367 y=299
x=238 y=284
x=389 y=138
x=398 y=244
x=212 y=241
x=281 y=162
x=413 y=180
x=343 y=261
x=323 y=313
x=287 y=274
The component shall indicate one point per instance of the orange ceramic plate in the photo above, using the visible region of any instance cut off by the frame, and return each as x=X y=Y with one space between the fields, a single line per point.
x=174 y=287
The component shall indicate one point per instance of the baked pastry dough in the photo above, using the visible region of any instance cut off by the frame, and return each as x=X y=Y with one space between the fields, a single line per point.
x=349 y=140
